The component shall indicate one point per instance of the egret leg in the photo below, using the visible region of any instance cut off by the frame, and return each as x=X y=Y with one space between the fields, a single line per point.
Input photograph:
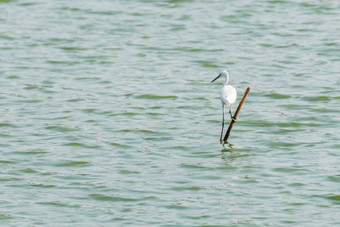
x=223 y=108
x=231 y=116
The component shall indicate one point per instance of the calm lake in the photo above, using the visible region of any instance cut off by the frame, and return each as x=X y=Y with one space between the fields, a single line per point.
x=108 y=116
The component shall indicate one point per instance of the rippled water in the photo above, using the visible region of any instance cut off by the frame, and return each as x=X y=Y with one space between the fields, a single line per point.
x=108 y=116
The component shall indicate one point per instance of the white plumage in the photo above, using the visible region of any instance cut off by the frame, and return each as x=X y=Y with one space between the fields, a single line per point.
x=228 y=96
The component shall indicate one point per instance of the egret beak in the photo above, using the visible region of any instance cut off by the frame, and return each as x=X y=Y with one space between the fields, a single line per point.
x=216 y=78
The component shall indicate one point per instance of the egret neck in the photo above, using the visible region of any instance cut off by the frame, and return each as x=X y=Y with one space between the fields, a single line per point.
x=226 y=79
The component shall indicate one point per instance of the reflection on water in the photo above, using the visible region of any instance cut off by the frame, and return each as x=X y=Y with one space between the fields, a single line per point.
x=227 y=147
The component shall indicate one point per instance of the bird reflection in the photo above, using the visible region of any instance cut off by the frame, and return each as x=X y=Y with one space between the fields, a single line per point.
x=229 y=148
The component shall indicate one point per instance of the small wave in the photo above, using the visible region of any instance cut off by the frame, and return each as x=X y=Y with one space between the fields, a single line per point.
x=73 y=163
x=317 y=98
x=58 y=204
x=151 y=96
x=60 y=128
x=278 y=96
x=335 y=198
x=5 y=216
x=112 y=198
x=74 y=144
x=190 y=188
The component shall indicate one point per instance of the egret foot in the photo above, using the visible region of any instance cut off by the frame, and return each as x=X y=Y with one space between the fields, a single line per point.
x=231 y=116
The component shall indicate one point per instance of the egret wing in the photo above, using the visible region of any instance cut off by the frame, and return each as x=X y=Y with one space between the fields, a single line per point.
x=228 y=95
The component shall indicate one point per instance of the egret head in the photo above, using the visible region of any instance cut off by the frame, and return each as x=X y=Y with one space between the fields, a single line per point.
x=224 y=74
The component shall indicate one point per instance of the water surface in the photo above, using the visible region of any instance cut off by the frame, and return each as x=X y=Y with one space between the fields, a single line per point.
x=108 y=117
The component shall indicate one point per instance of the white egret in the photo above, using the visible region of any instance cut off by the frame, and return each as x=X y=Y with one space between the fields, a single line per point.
x=228 y=96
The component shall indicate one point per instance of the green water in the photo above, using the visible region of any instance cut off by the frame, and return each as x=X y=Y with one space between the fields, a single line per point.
x=108 y=116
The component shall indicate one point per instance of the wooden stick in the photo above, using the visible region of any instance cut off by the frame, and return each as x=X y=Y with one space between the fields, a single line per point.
x=236 y=114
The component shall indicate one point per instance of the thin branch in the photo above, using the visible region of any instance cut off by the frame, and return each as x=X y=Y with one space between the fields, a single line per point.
x=236 y=114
